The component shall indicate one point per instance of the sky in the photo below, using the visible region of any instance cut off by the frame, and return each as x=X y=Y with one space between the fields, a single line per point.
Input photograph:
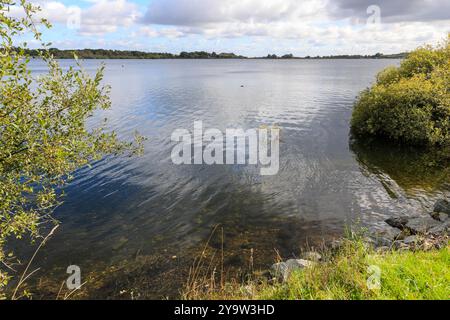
x=247 y=27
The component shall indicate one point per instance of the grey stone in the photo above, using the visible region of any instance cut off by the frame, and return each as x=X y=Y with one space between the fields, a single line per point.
x=280 y=271
x=441 y=229
x=380 y=242
x=398 y=222
x=400 y=245
x=389 y=233
x=299 y=263
x=411 y=240
x=439 y=216
x=120 y=243
x=442 y=206
x=283 y=270
x=421 y=225
x=312 y=256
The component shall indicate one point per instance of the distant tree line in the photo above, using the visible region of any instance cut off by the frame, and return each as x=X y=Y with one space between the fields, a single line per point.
x=127 y=54
x=359 y=56
x=120 y=54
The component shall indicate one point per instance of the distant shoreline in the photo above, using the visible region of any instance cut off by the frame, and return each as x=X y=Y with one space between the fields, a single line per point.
x=101 y=54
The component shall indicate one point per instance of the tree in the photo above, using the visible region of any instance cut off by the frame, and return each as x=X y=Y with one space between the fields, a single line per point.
x=43 y=132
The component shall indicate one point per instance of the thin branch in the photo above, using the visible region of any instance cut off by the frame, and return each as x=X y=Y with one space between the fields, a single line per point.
x=31 y=260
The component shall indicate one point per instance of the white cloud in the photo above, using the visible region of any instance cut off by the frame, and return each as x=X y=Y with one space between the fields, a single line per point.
x=312 y=26
x=339 y=24
x=106 y=16
x=150 y=32
x=198 y=12
x=103 y=16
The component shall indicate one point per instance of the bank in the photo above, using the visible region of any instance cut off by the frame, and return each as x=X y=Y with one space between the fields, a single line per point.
x=409 y=260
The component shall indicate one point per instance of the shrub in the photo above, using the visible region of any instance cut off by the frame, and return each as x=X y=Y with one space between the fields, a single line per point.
x=43 y=132
x=410 y=103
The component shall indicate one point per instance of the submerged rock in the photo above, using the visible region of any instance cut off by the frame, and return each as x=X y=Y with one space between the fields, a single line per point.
x=120 y=243
x=442 y=206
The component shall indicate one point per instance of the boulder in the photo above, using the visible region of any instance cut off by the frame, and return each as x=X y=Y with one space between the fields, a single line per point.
x=401 y=246
x=441 y=230
x=280 y=271
x=411 y=240
x=119 y=244
x=398 y=222
x=389 y=233
x=378 y=242
x=421 y=225
x=439 y=216
x=299 y=263
x=283 y=270
x=442 y=206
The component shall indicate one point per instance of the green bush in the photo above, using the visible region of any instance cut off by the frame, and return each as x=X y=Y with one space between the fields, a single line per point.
x=411 y=103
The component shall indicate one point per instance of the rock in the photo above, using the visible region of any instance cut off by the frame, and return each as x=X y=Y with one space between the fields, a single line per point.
x=421 y=225
x=439 y=216
x=441 y=229
x=398 y=222
x=280 y=271
x=411 y=240
x=378 y=242
x=299 y=263
x=442 y=206
x=389 y=233
x=400 y=245
x=443 y=217
x=120 y=243
x=312 y=256
x=283 y=270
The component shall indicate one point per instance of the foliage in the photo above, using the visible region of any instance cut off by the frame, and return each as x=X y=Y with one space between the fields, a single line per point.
x=43 y=135
x=404 y=275
x=120 y=54
x=132 y=54
x=411 y=103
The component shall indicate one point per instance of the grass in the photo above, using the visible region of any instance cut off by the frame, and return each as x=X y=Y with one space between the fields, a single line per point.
x=347 y=274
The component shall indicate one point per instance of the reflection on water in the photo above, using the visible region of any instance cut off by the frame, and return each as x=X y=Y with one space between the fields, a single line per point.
x=414 y=170
x=122 y=209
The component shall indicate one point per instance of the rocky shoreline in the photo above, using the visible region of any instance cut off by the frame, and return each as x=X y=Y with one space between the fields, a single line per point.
x=407 y=233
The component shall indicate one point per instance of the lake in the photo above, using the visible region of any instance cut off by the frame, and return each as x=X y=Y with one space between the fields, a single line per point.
x=138 y=222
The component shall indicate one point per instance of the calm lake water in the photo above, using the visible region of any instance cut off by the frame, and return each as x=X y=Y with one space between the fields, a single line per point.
x=122 y=207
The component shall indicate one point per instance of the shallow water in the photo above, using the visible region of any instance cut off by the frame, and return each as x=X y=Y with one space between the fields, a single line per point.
x=123 y=207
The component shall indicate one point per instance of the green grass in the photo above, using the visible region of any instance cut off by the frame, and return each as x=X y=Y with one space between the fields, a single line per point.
x=403 y=276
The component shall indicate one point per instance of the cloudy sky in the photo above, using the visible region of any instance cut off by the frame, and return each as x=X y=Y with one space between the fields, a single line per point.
x=248 y=27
